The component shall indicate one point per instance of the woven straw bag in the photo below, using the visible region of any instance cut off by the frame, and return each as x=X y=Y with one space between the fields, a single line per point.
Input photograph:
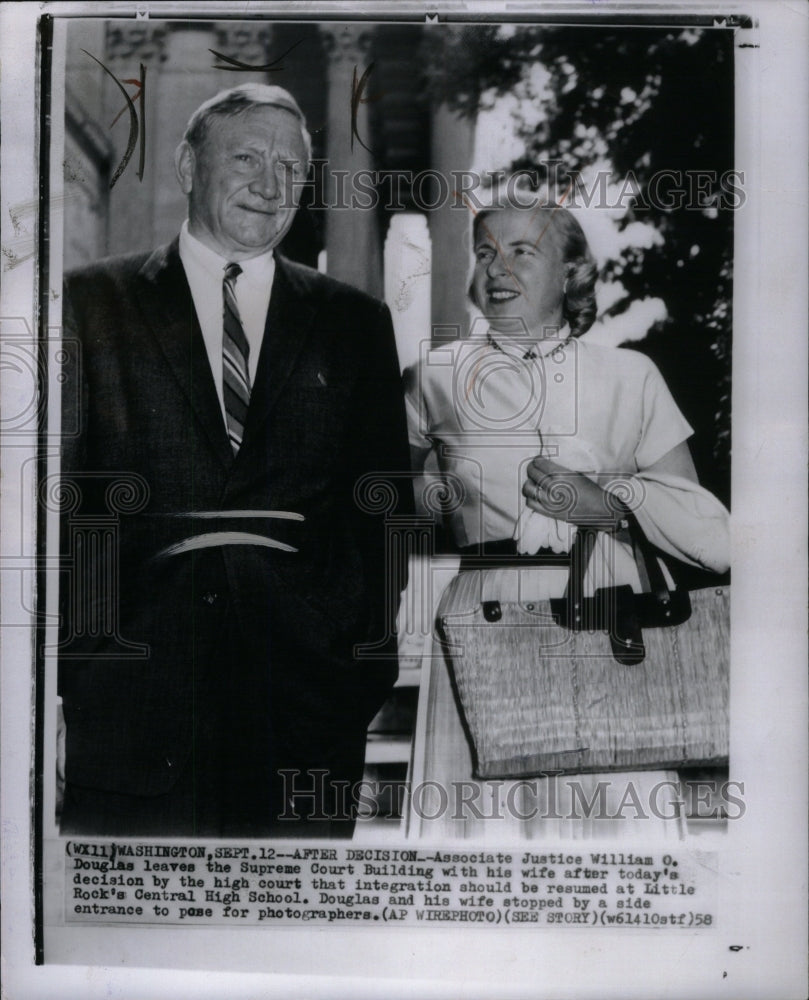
x=619 y=681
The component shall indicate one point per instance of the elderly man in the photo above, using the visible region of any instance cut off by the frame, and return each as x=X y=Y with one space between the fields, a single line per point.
x=246 y=397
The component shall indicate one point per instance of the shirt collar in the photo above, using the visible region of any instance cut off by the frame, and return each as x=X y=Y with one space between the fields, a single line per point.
x=257 y=270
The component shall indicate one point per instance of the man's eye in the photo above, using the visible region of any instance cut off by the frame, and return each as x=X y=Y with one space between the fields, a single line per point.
x=523 y=251
x=484 y=254
x=243 y=157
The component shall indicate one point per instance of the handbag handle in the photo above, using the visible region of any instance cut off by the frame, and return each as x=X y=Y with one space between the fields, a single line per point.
x=649 y=572
x=618 y=610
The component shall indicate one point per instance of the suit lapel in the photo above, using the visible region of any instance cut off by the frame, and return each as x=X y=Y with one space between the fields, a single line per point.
x=169 y=308
x=286 y=333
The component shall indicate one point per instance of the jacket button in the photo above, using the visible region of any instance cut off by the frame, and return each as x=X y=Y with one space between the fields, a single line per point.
x=210 y=598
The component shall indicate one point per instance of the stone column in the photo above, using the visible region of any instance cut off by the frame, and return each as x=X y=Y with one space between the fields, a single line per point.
x=408 y=261
x=450 y=226
x=353 y=246
x=126 y=46
x=183 y=85
x=89 y=149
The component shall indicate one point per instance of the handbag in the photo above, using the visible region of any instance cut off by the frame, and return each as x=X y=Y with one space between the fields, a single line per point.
x=616 y=681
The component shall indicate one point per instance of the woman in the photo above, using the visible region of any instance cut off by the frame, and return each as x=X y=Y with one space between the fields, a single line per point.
x=536 y=433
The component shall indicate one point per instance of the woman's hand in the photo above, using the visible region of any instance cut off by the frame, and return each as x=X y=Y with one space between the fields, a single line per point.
x=556 y=491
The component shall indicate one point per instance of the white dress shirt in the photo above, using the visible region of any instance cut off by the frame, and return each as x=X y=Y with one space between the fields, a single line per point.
x=488 y=410
x=205 y=271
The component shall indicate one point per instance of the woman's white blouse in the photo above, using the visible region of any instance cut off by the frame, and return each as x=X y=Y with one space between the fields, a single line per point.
x=487 y=410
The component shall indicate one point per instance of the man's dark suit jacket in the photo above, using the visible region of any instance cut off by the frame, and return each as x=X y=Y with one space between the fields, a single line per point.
x=326 y=409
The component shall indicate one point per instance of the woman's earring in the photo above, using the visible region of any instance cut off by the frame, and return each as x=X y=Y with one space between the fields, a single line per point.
x=567 y=279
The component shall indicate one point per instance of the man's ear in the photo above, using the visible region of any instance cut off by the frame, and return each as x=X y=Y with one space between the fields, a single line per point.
x=184 y=166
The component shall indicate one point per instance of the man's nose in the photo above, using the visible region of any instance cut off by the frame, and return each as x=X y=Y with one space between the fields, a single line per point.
x=266 y=182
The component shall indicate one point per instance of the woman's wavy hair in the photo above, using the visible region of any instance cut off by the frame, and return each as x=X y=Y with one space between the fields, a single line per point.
x=579 y=300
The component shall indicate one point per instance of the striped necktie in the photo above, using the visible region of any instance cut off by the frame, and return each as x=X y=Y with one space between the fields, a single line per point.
x=235 y=351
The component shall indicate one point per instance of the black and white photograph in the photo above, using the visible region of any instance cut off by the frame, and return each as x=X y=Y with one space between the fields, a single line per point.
x=404 y=522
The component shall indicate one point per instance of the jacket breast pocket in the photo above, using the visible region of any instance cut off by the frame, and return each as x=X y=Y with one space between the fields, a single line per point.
x=316 y=424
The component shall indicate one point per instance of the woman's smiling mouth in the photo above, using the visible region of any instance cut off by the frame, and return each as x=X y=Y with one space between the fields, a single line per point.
x=501 y=294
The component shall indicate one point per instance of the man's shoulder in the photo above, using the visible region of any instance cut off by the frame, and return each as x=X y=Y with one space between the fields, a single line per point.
x=116 y=269
x=311 y=282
